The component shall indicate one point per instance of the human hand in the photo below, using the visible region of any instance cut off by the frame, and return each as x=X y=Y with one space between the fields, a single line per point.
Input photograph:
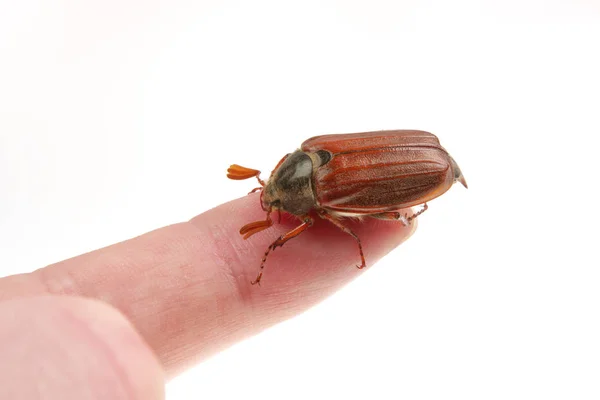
x=111 y=324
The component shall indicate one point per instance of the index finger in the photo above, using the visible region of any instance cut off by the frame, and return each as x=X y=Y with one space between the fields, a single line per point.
x=186 y=287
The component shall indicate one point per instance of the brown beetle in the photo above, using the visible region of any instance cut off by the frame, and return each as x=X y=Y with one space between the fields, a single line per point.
x=371 y=174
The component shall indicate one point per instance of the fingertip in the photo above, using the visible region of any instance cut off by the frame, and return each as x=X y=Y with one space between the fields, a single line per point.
x=323 y=254
x=390 y=233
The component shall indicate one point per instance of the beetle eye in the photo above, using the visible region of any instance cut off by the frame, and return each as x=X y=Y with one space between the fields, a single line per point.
x=276 y=203
x=324 y=156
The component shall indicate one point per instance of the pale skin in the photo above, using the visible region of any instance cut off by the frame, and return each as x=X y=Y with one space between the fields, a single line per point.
x=116 y=322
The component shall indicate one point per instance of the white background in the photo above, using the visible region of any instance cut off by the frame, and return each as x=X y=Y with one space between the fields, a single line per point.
x=120 y=117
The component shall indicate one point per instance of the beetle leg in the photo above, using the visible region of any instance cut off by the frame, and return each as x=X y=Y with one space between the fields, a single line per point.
x=392 y=215
x=337 y=223
x=395 y=215
x=307 y=222
x=237 y=172
x=415 y=215
x=255 y=190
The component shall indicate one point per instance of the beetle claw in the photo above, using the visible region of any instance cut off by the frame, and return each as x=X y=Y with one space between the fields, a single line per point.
x=257 y=280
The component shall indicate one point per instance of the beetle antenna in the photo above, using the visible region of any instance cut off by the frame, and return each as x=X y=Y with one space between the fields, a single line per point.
x=255 y=227
x=238 y=173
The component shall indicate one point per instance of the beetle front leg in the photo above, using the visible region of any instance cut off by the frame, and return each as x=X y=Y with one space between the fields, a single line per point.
x=404 y=218
x=255 y=190
x=307 y=222
x=337 y=223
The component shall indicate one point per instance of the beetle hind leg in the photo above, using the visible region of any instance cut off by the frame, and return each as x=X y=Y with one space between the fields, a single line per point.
x=404 y=218
x=392 y=215
x=347 y=230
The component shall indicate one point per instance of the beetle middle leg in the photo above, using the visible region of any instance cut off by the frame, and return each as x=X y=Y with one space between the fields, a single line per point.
x=307 y=223
x=347 y=230
x=404 y=218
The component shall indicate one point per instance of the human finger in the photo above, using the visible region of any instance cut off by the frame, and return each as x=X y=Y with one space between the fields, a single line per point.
x=186 y=287
x=62 y=347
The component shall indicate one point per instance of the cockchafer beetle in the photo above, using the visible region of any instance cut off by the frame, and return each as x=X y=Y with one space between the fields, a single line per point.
x=372 y=174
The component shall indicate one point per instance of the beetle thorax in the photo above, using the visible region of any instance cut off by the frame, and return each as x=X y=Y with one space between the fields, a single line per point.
x=290 y=186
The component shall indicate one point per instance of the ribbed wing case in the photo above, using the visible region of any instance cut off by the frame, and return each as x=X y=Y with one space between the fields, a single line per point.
x=372 y=172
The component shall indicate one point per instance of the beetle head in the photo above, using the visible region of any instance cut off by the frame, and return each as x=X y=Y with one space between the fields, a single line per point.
x=290 y=186
x=268 y=198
